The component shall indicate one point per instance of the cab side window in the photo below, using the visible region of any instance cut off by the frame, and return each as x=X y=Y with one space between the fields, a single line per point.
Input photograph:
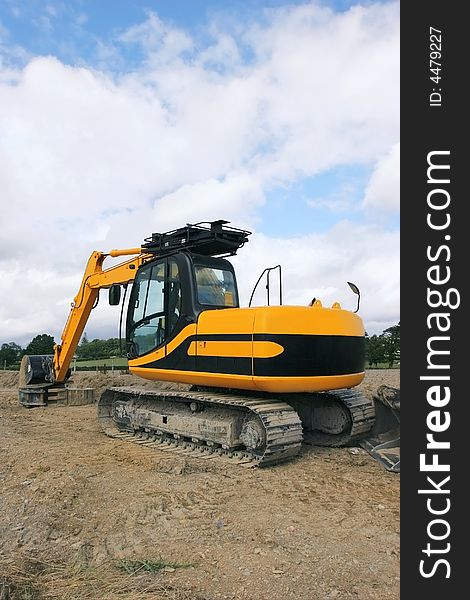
x=215 y=287
x=174 y=295
x=155 y=306
x=147 y=322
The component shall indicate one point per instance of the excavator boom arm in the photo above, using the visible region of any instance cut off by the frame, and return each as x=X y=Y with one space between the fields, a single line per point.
x=94 y=279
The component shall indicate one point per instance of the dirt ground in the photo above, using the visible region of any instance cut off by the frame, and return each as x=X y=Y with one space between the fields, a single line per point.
x=76 y=508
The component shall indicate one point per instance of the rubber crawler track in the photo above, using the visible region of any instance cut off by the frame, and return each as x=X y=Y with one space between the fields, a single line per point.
x=282 y=425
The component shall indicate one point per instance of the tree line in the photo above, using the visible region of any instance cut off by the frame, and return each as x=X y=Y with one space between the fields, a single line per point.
x=380 y=349
x=12 y=353
x=98 y=349
x=384 y=348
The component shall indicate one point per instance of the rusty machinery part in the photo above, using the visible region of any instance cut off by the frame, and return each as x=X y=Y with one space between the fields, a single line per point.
x=36 y=381
x=258 y=432
x=383 y=442
x=55 y=395
x=42 y=394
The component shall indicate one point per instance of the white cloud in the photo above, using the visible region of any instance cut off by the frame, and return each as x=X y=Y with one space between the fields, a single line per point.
x=164 y=43
x=319 y=265
x=235 y=199
x=90 y=159
x=51 y=10
x=383 y=190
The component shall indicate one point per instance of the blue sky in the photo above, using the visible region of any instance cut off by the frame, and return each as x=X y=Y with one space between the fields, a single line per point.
x=123 y=117
x=341 y=187
x=30 y=22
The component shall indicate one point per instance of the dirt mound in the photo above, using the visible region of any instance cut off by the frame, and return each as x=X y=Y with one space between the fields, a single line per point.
x=9 y=379
x=376 y=377
x=97 y=380
x=102 y=381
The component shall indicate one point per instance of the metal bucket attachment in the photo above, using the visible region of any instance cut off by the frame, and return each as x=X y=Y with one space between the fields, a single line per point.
x=383 y=442
x=37 y=385
x=36 y=369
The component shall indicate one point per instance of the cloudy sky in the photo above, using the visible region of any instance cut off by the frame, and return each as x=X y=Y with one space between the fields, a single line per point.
x=118 y=119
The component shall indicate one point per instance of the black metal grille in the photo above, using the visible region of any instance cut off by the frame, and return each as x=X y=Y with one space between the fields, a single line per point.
x=212 y=238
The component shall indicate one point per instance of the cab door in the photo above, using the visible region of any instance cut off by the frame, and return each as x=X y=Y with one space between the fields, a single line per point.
x=154 y=307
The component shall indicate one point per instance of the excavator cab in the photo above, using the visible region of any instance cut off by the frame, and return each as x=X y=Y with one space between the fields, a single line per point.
x=170 y=292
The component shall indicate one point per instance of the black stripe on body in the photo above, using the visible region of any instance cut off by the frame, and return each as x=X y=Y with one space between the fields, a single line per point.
x=303 y=356
x=312 y=356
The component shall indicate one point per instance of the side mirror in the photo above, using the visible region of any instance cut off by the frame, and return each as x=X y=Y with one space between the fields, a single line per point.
x=114 y=295
x=356 y=291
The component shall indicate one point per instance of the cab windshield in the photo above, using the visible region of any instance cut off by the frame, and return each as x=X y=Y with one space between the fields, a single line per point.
x=215 y=287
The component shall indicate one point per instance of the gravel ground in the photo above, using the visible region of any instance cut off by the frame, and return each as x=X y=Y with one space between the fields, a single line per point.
x=74 y=504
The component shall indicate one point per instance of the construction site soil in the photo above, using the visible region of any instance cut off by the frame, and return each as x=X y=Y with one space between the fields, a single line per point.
x=84 y=516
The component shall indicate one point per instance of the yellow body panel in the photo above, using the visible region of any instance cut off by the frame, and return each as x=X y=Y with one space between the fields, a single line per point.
x=307 y=320
x=248 y=382
x=299 y=320
x=228 y=320
x=231 y=347
x=256 y=349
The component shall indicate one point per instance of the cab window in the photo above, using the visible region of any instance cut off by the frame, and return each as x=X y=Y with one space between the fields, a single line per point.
x=215 y=287
x=174 y=296
x=155 y=306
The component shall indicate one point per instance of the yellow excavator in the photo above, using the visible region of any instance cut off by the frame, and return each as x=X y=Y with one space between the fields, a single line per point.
x=263 y=378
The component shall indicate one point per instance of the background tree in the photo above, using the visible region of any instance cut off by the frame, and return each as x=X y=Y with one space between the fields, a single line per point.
x=391 y=341
x=98 y=349
x=41 y=344
x=384 y=348
x=375 y=350
x=10 y=354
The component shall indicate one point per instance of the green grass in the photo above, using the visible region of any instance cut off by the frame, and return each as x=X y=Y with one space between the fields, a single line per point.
x=119 y=363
